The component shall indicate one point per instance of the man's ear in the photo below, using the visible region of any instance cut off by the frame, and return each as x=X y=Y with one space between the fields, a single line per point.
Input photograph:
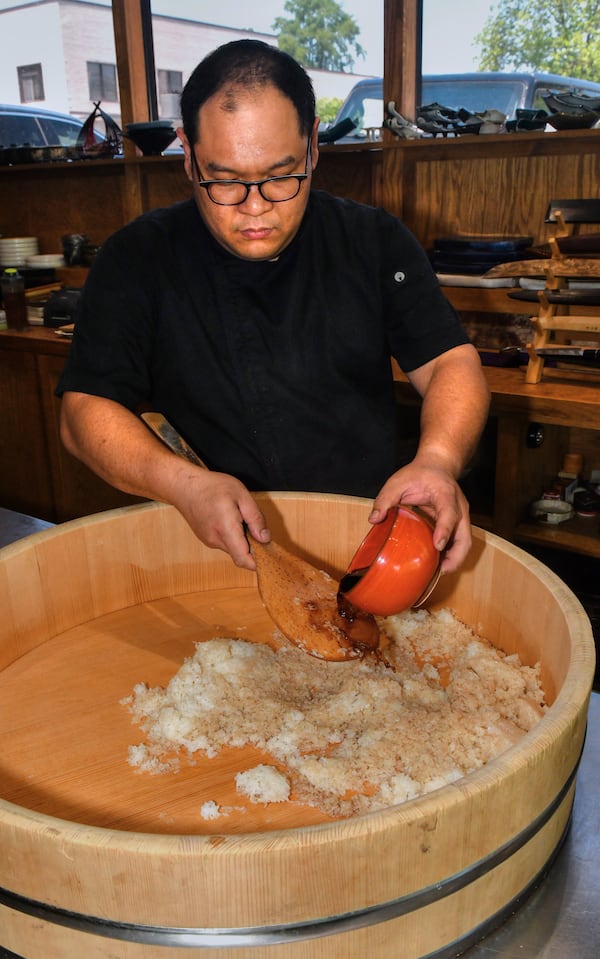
x=187 y=150
x=314 y=147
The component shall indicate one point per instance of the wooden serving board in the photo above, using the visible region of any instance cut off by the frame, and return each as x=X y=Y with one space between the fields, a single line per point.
x=65 y=732
x=564 y=266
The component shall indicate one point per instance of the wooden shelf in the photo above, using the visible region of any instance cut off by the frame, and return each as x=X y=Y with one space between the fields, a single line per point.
x=567 y=405
x=579 y=535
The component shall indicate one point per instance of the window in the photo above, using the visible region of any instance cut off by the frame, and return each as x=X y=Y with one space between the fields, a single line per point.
x=61 y=132
x=170 y=81
x=170 y=85
x=102 y=81
x=31 y=82
x=182 y=34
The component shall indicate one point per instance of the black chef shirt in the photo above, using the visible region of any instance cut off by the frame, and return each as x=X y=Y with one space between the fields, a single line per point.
x=277 y=372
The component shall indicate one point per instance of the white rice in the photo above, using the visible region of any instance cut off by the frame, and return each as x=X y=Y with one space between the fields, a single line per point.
x=344 y=737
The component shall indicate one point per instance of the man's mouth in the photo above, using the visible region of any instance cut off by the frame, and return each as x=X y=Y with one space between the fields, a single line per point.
x=256 y=232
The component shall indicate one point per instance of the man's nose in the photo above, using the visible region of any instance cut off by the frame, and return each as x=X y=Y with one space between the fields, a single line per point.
x=255 y=202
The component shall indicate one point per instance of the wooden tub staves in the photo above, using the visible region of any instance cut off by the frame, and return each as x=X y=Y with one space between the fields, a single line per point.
x=97 y=860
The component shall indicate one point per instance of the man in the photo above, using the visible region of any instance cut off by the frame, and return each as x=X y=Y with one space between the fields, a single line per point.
x=259 y=318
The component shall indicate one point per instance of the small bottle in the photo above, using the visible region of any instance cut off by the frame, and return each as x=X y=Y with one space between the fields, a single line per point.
x=568 y=479
x=13 y=299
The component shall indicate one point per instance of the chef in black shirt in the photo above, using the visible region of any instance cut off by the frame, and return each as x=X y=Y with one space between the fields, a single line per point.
x=260 y=317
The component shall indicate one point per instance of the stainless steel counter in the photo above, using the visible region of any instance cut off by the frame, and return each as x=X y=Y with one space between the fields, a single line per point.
x=14 y=526
x=561 y=919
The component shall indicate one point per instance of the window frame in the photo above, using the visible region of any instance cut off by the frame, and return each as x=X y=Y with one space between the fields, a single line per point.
x=35 y=76
x=402 y=21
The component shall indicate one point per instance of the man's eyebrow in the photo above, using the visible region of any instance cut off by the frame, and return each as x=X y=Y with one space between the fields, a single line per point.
x=213 y=167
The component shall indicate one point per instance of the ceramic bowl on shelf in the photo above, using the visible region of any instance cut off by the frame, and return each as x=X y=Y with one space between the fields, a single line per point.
x=152 y=137
x=580 y=120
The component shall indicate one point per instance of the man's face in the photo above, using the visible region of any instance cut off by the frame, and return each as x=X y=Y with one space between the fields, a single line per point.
x=259 y=138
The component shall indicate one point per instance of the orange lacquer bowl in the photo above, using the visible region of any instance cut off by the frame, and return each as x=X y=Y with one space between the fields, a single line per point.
x=396 y=566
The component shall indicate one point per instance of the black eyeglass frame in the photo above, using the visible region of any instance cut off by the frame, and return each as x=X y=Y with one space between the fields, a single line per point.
x=248 y=184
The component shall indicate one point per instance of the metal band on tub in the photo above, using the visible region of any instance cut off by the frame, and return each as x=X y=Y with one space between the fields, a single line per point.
x=185 y=937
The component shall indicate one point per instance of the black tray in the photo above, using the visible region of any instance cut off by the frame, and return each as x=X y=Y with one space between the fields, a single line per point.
x=491 y=243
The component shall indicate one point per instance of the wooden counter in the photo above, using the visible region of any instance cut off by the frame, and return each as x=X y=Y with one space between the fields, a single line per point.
x=565 y=410
x=38 y=477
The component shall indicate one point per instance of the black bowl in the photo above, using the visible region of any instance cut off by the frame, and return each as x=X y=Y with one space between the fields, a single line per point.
x=151 y=140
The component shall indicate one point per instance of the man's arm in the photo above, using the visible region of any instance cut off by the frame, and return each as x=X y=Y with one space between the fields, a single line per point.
x=454 y=411
x=117 y=446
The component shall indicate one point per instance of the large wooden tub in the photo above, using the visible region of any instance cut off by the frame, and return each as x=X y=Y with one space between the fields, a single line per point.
x=97 y=860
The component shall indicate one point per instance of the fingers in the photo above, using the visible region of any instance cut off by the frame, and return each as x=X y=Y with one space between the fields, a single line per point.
x=219 y=509
x=457 y=542
x=251 y=518
x=438 y=495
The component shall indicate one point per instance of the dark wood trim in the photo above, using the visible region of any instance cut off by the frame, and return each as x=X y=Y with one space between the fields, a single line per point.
x=402 y=28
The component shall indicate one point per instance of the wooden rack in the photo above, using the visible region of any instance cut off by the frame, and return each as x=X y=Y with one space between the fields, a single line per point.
x=549 y=322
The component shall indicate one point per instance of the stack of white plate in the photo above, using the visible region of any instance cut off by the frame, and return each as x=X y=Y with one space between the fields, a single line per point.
x=14 y=250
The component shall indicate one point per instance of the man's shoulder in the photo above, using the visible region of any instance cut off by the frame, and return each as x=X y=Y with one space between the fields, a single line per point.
x=341 y=212
x=164 y=219
x=154 y=233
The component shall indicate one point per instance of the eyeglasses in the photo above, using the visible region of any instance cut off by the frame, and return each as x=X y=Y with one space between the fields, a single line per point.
x=273 y=189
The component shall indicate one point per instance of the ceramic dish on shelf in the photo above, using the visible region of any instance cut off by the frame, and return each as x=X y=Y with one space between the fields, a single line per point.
x=45 y=261
x=574 y=121
x=15 y=250
x=458 y=279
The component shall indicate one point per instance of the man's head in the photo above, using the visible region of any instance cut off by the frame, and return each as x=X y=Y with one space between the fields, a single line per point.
x=248 y=113
x=249 y=64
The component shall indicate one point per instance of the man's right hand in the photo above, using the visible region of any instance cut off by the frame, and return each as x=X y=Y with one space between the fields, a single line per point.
x=116 y=445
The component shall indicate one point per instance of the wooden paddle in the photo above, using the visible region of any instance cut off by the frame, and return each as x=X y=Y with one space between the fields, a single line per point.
x=301 y=599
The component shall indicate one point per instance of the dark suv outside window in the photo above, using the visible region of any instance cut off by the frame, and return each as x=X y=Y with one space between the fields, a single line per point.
x=475 y=92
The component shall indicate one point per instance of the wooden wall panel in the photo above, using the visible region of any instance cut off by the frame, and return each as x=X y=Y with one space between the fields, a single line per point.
x=498 y=184
x=494 y=196
x=355 y=174
x=50 y=200
x=162 y=185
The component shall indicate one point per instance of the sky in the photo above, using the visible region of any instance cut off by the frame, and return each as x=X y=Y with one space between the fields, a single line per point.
x=449 y=26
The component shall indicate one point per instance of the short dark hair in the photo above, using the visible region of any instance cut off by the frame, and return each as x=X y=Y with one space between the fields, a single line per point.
x=248 y=63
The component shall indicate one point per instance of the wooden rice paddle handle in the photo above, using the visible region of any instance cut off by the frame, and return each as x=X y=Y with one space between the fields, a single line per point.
x=301 y=600
x=161 y=427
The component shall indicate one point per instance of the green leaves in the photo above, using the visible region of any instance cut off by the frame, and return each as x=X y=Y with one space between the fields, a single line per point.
x=319 y=34
x=553 y=36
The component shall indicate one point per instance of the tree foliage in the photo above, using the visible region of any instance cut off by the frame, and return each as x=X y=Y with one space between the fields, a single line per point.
x=319 y=34
x=327 y=108
x=552 y=36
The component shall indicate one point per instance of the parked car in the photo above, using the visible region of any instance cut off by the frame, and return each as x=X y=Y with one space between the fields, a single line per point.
x=32 y=126
x=475 y=92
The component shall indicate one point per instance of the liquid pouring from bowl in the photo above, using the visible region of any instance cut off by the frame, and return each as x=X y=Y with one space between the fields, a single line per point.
x=302 y=600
